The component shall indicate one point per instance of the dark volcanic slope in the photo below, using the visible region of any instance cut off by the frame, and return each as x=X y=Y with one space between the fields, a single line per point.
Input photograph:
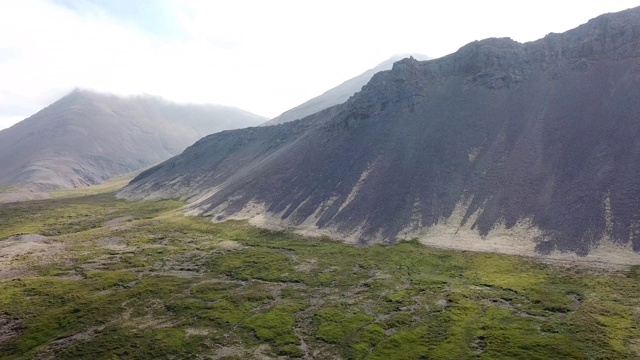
x=338 y=94
x=546 y=132
x=86 y=138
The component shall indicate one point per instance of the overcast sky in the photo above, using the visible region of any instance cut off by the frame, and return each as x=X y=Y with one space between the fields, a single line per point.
x=261 y=56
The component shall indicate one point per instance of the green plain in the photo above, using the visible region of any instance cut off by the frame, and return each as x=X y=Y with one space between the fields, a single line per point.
x=159 y=285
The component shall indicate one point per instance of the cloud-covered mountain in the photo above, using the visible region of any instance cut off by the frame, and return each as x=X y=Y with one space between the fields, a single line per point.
x=86 y=137
x=338 y=94
x=533 y=145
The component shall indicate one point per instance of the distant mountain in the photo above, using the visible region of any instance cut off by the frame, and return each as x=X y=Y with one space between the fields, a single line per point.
x=531 y=146
x=86 y=137
x=338 y=94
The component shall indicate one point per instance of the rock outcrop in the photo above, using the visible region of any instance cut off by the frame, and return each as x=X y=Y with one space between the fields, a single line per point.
x=338 y=94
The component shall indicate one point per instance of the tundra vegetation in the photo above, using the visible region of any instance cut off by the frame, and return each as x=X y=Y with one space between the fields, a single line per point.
x=84 y=275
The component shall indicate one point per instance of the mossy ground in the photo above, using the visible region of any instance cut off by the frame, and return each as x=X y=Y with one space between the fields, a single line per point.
x=161 y=285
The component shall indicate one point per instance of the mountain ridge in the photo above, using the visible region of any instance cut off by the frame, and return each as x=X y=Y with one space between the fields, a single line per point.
x=87 y=137
x=499 y=137
x=338 y=94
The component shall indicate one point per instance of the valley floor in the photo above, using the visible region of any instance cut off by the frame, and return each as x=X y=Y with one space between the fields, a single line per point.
x=93 y=277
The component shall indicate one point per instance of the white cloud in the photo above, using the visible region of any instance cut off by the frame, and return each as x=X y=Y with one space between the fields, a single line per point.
x=263 y=56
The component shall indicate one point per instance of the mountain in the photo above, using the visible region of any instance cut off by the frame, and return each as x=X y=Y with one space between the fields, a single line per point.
x=499 y=146
x=338 y=94
x=86 y=137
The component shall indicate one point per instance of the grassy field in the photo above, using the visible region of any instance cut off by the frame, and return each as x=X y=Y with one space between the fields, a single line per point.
x=110 y=279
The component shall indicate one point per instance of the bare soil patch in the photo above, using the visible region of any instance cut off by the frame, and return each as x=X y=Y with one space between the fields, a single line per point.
x=20 y=253
x=62 y=343
x=118 y=220
x=9 y=328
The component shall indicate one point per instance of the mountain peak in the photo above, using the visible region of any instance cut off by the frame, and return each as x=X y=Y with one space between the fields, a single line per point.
x=87 y=137
x=502 y=62
x=609 y=36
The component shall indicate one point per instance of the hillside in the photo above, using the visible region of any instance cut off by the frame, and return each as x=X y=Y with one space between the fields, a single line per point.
x=501 y=146
x=86 y=137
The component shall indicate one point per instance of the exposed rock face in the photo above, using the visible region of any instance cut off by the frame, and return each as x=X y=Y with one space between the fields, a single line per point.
x=86 y=138
x=542 y=136
x=338 y=94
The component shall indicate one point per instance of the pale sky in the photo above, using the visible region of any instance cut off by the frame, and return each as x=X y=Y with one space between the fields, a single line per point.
x=261 y=56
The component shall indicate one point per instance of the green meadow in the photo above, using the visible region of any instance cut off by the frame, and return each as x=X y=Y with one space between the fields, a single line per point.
x=111 y=279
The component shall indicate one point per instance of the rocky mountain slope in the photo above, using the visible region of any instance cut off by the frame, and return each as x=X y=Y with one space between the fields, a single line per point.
x=500 y=145
x=85 y=138
x=338 y=94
